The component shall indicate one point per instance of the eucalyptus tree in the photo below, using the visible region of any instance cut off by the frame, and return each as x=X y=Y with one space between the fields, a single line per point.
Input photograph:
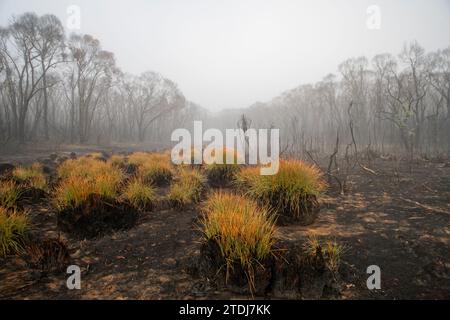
x=439 y=74
x=416 y=86
x=48 y=43
x=152 y=96
x=23 y=70
x=90 y=77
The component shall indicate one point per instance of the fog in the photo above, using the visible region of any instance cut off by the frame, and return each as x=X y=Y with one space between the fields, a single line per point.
x=326 y=74
x=221 y=149
x=230 y=54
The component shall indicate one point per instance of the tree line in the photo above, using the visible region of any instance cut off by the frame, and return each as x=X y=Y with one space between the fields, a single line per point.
x=386 y=104
x=67 y=88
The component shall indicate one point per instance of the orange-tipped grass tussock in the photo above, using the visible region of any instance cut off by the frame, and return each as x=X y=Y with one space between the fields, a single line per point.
x=73 y=192
x=13 y=226
x=246 y=177
x=118 y=160
x=331 y=250
x=153 y=168
x=140 y=158
x=10 y=194
x=287 y=191
x=32 y=176
x=86 y=176
x=188 y=189
x=86 y=167
x=139 y=195
x=243 y=230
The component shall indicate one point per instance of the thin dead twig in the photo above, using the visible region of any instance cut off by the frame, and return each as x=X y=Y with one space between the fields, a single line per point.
x=424 y=206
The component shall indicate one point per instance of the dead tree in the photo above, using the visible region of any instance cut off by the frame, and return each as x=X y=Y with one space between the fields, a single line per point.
x=245 y=123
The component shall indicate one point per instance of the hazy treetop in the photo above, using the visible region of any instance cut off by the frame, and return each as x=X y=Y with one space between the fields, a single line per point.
x=227 y=54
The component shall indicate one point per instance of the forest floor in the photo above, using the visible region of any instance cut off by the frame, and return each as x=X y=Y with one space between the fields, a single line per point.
x=397 y=219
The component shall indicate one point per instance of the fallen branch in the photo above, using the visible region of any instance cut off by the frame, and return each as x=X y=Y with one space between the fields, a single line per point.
x=367 y=169
x=418 y=204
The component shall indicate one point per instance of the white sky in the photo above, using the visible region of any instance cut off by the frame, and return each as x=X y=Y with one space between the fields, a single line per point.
x=230 y=54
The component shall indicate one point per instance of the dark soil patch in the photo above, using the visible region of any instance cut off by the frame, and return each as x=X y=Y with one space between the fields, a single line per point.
x=6 y=168
x=97 y=217
x=32 y=194
x=213 y=266
x=398 y=220
x=290 y=273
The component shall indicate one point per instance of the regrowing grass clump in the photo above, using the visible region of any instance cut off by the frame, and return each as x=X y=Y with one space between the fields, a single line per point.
x=292 y=192
x=13 y=226
x=153 y=168
x=139 y=194
x=188 y=189
x=31 y=181
x=10 y=194
x=32 y=176
x=88 y=198
x=242 y=230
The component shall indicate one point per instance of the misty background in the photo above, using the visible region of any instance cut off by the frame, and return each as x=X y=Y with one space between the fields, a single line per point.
x=230 y=54
x=319 y=70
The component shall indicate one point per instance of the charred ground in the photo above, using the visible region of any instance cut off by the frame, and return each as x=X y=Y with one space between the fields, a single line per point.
x=397 y=219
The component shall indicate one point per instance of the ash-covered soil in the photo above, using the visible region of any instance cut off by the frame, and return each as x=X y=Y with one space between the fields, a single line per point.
x=397 y=219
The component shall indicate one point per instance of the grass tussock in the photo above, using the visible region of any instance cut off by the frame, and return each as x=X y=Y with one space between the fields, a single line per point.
x=73 y=192
x=139 y=194
x=88 y=198
x=118 y=160
x=84 y=177
x=32 y=176
x=153 y=168
x=243 y=230
x=138 y=158
x=188 y=189
x=86 y=167
x=10 y=194
x=333 y=254
x=291 y=191
x=330 y=249
x=246 y=177
x=13 y=226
